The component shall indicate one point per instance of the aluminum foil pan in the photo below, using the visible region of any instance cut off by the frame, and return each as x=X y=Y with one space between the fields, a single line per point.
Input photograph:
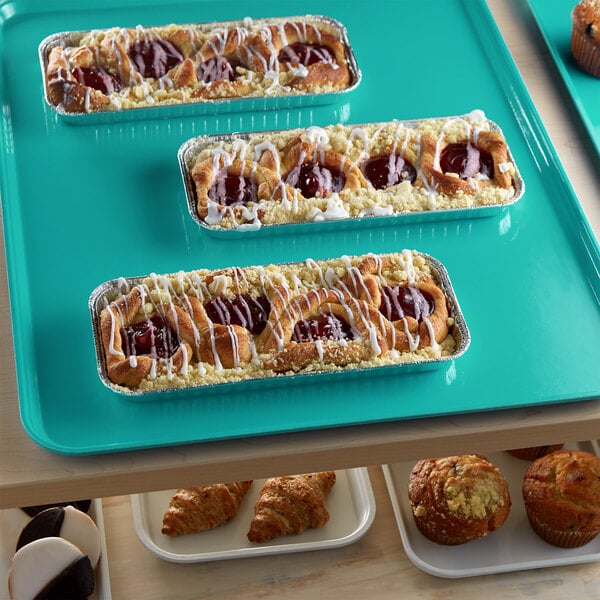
x=423 y=202
x=398 y=363
x=278 y=97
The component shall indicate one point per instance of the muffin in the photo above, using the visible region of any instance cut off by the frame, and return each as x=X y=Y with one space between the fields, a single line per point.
x=585 y=36
x=561 y=493
x=456 y=499
x=533 y=452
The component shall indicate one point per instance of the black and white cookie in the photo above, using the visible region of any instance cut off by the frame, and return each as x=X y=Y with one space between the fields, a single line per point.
x=50 y=568
x=82 y=505
x=68 y=523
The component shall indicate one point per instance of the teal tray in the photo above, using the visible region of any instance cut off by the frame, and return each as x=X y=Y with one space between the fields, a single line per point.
x=553 y=18
x=85 y=204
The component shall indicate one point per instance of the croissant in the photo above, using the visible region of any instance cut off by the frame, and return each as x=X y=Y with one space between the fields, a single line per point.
x=175 y=64
x=290 y=505
x=201 y=508
x=206 y=326
x=312 y=56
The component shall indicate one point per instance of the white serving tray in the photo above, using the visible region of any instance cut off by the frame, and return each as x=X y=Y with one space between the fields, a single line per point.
x=513 y=547
x=12 y=521
x=351 y=505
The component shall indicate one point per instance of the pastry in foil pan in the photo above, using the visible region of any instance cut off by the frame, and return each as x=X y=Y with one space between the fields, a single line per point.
x=206 y=328
x=213 y=67
x=396 y=171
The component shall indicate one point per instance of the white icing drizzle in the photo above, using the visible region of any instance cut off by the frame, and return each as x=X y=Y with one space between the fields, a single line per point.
x=163 y=295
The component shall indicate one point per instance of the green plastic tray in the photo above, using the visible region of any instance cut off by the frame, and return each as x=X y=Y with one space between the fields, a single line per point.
x=85 y=204
x=553 y=18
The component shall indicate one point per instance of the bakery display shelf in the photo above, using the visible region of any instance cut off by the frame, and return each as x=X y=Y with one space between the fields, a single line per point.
x=351 y=506
x=12 y=521
x=553 y=17
x=513 y=547
x=82 y=205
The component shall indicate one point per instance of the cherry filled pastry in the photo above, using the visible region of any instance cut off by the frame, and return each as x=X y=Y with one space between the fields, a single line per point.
x=342 y=172
x=207 y=327
x=121 y=68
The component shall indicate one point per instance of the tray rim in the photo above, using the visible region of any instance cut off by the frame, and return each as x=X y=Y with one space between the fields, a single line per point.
x=421 y=562
x=534 y=132
x=360 y=487
x=565 y=70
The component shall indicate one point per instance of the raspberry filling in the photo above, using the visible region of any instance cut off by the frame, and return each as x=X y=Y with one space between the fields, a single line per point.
x=388 y=170
x=466 y=161
x=154 y=337
x=99 y=79
x=405 y=301
x=218 y=69
x=243 y=309
x=314 y=180
x=326 y=326
x=300 y=53
x=154 y=58
x=232 y=190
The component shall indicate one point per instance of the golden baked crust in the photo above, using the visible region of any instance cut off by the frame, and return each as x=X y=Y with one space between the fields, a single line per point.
x=561 y=492
x=289 y=505
x=201 y=508
x=350 y=171
x=113 y=69
x=456 y=499
x=215 y=326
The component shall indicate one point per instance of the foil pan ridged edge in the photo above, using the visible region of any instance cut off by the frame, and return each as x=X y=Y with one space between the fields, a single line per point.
x=108 y=291
x=207 y=106
x=192 y=147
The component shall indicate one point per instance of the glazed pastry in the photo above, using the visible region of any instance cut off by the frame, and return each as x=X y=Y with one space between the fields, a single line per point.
x=121 y=68
x=290 y=505
x=136 y=340
x=561 y=495
x=206 y=327
x=344 y=172
x=202 y=508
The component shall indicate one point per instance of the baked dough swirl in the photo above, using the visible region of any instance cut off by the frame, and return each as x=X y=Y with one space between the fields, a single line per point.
x=342 y=172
